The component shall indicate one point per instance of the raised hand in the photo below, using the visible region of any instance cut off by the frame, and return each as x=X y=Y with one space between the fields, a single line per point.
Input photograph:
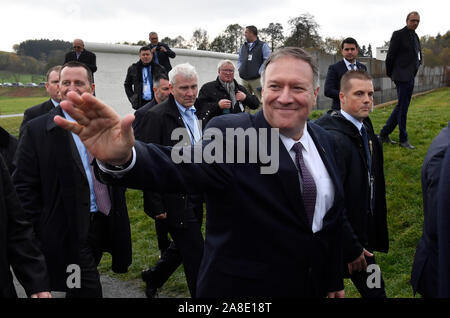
x=109 y=138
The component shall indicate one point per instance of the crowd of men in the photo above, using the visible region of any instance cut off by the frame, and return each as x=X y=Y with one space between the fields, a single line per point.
x=293 y=233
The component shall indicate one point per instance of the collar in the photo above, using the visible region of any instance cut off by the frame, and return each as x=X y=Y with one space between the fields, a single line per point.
x=55 y=103
x=304 y=140
x=352 y=119
x=347 y=63
x=183 y=109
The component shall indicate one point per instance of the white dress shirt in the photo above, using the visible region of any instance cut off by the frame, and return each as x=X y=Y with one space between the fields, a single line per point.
x=315 y=165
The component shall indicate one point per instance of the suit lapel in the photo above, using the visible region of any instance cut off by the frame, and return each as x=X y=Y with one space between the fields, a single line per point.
x=64 y=142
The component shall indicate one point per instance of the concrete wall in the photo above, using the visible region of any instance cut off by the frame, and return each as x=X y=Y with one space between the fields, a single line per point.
x=113 y=61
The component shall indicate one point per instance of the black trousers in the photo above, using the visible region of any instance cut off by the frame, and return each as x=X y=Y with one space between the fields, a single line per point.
x=186 y=249
x=89 y=257
x=400 y=112
x=360 y=280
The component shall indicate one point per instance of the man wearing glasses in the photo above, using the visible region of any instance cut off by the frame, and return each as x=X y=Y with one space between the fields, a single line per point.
x=225 y=95
x=82 y=55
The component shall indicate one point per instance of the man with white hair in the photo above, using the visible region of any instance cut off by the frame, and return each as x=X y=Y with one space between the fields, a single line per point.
x=225 y=95
x=82 y=55
x=182 y=213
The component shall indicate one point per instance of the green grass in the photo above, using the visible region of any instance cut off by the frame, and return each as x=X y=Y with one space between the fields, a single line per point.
x=427 y=116
x=18 y=105
x=8 y=77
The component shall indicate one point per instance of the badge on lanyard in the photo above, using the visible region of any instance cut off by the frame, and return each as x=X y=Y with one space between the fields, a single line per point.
x=250 y=56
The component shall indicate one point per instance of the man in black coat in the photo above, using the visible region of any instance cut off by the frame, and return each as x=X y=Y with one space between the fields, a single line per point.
x=82 y=55
x=361 y=167
x=161 y=91
x=18 y=248
x=161 y=51
x=425 y=277
x=74 y=218
x=182 y=214
x=225 y=95
x=51 y=87
x=139 y=80
x=350 y=51
x=8 y=147
x=402 y=63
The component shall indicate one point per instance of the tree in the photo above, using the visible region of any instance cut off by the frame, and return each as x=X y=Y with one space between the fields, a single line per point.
x=362 y=51
x=273 y=35
x=332 y=46
x=369 y=51
x=178 y=42
x=234 y=35
x=218 y=44
x=199 y=40
x=304 y=32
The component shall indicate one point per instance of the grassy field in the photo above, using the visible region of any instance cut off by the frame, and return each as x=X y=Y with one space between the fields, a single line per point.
x=15 y=100
x=7 y=77
x=427 y=115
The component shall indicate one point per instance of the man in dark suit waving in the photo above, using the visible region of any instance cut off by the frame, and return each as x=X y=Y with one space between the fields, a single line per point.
x=350 y=51
x=269 y=232
x=402 y=63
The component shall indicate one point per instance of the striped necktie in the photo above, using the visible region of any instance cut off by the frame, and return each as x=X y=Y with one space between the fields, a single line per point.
x=309 y=186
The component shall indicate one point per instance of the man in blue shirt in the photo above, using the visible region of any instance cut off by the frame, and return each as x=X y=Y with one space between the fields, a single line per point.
x=139 y=81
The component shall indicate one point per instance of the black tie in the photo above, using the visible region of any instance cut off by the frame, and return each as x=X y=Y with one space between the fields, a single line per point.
x=366 y=146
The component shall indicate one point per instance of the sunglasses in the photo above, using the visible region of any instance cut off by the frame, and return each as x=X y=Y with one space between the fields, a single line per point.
x=77 y=47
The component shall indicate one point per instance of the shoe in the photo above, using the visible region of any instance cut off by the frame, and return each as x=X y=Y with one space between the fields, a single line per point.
x=387 y=140
x=149 y=291
x=406 y=144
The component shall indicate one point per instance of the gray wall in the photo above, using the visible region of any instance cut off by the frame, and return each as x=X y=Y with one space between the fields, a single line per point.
x=113 y=61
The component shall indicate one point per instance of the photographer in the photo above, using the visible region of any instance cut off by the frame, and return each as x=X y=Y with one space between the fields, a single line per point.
x=161 y=51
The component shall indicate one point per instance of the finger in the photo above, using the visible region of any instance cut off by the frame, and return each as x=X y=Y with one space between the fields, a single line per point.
x=367 y=253
x=364 y=264
x=127 y=129
x=350 y=269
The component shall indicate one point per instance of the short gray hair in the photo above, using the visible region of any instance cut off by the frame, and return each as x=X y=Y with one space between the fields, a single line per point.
x=185 y=70
x=223 y=62
x=297 y=53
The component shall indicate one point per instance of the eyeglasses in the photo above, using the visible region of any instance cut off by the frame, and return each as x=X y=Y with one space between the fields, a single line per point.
x=77 y=47
x=227 y=71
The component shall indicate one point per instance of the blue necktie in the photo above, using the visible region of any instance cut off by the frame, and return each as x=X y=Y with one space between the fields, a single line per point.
x=191 y=122
x=309 y=186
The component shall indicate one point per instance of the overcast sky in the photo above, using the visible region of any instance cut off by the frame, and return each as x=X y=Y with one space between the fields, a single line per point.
x=112 y=21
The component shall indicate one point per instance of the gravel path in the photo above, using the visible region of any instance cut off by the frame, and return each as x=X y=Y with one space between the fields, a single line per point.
x=112 y=288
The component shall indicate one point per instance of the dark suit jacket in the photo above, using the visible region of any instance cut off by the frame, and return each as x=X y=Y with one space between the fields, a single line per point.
x=369 y=228
x=86 y=57
x=424 y=275
x=401 y=57
x=333 y=81
x=139 y=115
x=18 y=247
x=36 y=111
x=157 y=126
x=8 y=147
x=258 y=240
x=443 y=219
x=163 y=57
x=54 y=192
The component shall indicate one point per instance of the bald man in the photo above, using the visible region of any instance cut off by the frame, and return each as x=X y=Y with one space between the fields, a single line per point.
x=82 y=55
